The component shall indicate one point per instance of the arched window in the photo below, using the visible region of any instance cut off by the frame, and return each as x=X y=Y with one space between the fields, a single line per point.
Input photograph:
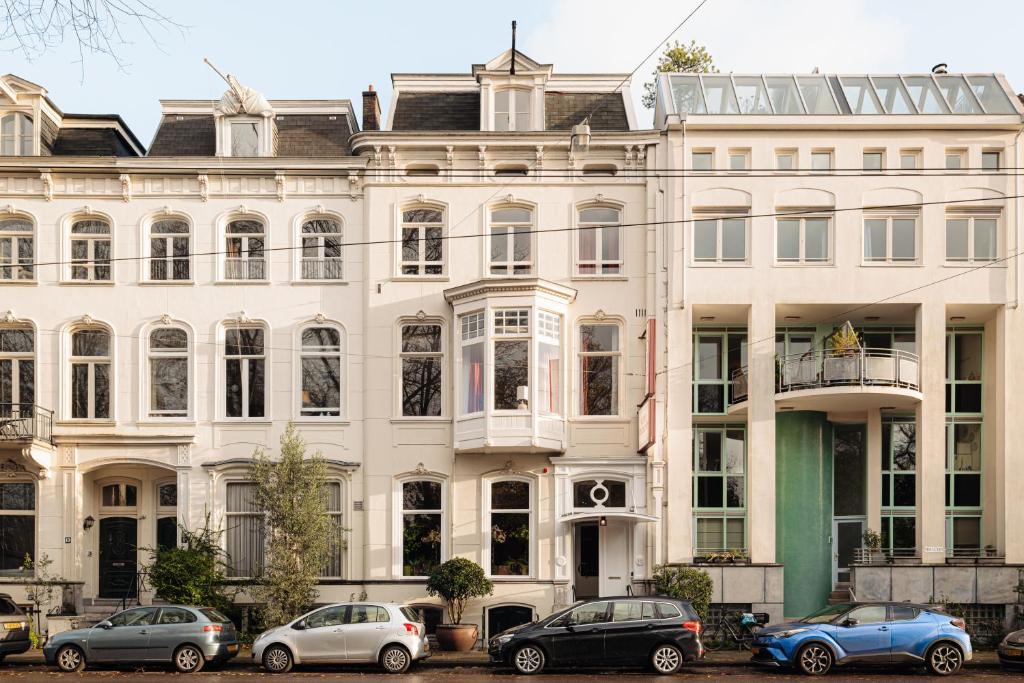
x=600 y=248
x=17 y=371
x=245 y=363
x=320 y=369
x=422 y=526
x=422 y=241
x=244 y=257
x=512 y=109
x=17 y=249
x=119 y=495
x=511 y=241
x=169 y=250
x=600 y=356
x=509 y=529
x=321 y=249
x=91 y=374
x=168 y=363
x=599 y=493
x=91 y=248
x=16 y=134
x=422 y=377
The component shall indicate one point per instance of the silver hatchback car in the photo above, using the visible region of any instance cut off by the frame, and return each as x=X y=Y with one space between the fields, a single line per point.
x=388 y=634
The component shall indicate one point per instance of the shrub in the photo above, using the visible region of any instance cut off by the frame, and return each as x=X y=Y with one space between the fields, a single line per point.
x=685 y=583
x=458 y=580
x=192 y=573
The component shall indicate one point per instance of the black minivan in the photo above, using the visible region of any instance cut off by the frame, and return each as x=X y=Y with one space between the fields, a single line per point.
x=654 y=631
x=14 y=637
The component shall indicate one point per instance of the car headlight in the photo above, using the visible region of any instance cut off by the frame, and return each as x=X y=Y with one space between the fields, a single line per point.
x=790 y=632
x=501 y=640
x=261 y=636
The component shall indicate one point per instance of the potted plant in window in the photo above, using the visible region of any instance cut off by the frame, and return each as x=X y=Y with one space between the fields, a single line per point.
x=457 y=581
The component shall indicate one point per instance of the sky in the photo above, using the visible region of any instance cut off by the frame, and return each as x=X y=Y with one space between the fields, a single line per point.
x=333 y=49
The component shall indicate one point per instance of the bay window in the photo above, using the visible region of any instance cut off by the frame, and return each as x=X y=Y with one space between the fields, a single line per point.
x=511 y=241
x=600 y=357
x=244 y=371
x=719 y=488
x=17 y=249
x=91 y=374
x=422 y=241
x=511 y=359
x=422 y=525
x=17 y=525
x=803 y=240
x=549 y=363
x=320 y=370
x=599 y=246
x=509 y=529
x=168 y=359
x=972 y=238
x=422 y=375
x=90 y=250
x=889 y=239
x=473 y=332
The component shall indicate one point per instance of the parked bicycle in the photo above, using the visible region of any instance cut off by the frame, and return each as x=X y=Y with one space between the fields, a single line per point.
x=738 y=628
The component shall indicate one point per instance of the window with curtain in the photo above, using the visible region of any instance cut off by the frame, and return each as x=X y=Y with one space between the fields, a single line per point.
x=244 y=531
x=244 y=371
x=91 y=374
x=422 y=361
x=719 y=488
x=335 y=559
x=16 y=135
x=511 y=241
x=890 y=239
x=17 y=525
x=168 y=354
x=321 y=249
x=510 y=528
x=599 y=234
x=169 y=250
x=422 y=241
x=422 y=527
x=17 y=371
x=320 y=368
x=549 y=362
x=90 y=250
x=244 y=257
x=473 y=330
x=599 y=358
x=17 y=249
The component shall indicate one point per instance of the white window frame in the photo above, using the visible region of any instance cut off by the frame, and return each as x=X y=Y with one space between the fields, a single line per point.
x=874 y=151
x=91 y=362
x=421 y=227
x=998 y=153
x=516 y=94
x=510 y=264
x=264 y=137
x=398 y=505
x=955 y=152
x=743 y=154
x=19 y=136
x=801 y=260
x=702 y=152
x=338 y=522
x=830 y=156
x=147 y=374
x=718 y=217
x=223 y=372
x=149 y=236
x=472 y=329
x=228 y=515
x=618 y=323
x=486 y=526
x=33 y=513
x=970 y=217
x=331 y=269
x=322 y=352
x=494 y=337
x=440 y=356
x=889 y=218
x=915 y=155
x=599 y=263
x=12 y=268
x=89 y=263
x=16 y=358
x=222 y=247
x=793 y=153
x=123 y=483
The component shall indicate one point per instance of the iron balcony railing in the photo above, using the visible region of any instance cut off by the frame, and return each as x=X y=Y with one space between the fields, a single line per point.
x=25 y=422
x=821 y=369
x=322 y=268
x=245 y=268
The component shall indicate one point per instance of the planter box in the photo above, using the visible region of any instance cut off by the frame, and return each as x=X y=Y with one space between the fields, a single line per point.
x=55 y=625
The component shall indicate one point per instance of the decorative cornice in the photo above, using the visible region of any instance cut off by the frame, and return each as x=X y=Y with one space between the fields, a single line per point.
x=483 y=288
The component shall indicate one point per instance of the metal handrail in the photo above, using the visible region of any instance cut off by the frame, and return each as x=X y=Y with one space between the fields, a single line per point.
x=25 y=422
x=883 y=555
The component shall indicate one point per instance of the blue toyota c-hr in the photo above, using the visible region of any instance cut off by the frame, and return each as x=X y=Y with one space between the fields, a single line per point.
x=895 y=632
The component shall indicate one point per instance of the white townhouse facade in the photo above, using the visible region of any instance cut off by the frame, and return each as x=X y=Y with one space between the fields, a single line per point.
x=570 y=354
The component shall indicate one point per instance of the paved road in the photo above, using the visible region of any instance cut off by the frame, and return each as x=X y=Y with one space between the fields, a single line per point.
x=25 y=673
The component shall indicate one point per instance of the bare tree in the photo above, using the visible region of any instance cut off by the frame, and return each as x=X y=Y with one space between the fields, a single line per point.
x=96 y=27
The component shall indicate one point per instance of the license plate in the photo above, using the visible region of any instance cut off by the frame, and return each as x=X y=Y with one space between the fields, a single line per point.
x=1013 y=652
x=232 y=648
x=12 y=626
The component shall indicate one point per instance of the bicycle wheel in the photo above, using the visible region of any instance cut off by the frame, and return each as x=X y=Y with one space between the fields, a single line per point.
x=716 y=637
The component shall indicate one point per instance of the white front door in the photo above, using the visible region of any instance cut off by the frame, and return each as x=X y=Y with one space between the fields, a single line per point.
x=615 y=554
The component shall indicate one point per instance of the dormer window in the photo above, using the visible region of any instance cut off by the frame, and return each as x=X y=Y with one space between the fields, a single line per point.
x=16 y=135
x=512 y=110
x=245 y=138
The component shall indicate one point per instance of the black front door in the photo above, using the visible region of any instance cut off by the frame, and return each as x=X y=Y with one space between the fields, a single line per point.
x=118 y=557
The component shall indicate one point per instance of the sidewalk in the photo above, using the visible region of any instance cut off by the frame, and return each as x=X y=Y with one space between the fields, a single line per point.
x=478 y=659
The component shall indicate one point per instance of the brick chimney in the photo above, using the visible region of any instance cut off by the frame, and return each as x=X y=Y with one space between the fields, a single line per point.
x=371 y=109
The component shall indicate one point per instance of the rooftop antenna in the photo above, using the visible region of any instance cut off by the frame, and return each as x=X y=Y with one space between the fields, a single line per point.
x=216 y=70
x=512 y=68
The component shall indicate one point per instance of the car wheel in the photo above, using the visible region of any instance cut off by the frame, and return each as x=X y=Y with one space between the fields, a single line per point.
x=814 y=659
x=666 y=659
x=944 y=659
x=277 y=659
x=395 y=659
x=188 y=659
x=70 y=659
x=529 y=659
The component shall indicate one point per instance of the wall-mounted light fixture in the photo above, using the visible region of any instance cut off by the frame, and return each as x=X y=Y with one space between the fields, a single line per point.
x=88 y=522
x=604 y=521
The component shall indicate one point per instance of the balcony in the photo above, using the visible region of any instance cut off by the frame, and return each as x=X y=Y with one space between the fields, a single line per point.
x=245 y=269
x=848 y=380
x=25 y=423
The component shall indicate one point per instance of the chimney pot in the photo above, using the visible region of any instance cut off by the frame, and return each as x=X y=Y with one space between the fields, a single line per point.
x=371 y=109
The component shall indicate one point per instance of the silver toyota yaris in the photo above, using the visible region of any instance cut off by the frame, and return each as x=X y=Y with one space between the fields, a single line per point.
x=389 y=634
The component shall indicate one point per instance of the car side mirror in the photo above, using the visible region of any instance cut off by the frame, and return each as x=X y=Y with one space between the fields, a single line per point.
x=850 y=622
x=299 y=625
x=104 y=625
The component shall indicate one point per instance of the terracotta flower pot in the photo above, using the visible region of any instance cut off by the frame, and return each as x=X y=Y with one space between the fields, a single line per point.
x=456 y=637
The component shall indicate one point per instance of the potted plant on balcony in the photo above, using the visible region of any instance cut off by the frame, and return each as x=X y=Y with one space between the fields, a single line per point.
x=842 y=355
x=873 y=544
x=457 y=581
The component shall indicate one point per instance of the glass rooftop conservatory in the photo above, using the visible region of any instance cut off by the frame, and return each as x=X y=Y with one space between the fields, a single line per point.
x=794 y=95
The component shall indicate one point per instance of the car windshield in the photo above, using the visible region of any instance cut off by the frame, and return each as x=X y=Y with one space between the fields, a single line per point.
x=7 y=608
x=214 y=616
x=824 y=616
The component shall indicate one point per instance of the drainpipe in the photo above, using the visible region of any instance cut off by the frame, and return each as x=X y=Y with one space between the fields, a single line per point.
x=1018 y=186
